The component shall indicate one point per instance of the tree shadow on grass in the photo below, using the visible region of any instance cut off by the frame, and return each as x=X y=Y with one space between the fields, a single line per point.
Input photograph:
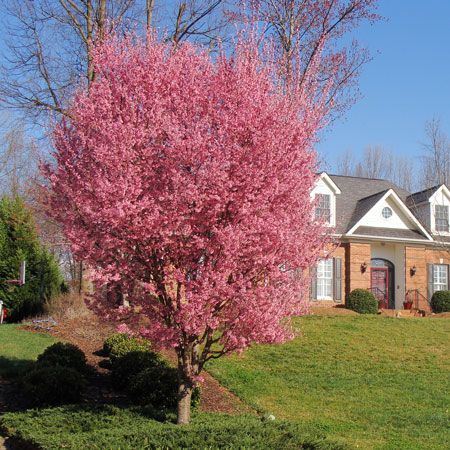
x=12 y=367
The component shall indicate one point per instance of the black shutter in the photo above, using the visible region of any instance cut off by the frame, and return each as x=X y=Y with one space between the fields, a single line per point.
x=313 y=290
x=337 y=279
x=430 y=271
x=448 y=277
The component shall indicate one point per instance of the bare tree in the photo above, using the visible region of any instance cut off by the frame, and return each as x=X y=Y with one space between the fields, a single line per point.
x=49 y=47
x=346 y=163
x=301 y=30
x=50 y=42
x=373 y=163
x=377 y=162
x=18 y=163
x=436 y=158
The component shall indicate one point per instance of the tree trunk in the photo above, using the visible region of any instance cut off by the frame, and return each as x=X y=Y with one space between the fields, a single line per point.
x=184 y=403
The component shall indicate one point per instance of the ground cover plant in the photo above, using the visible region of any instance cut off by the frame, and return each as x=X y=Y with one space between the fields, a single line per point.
x=19 y=348
x=108 y=427
x=370 y=381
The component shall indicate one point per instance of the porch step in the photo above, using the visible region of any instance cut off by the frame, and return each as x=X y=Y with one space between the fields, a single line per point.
x=402 y=313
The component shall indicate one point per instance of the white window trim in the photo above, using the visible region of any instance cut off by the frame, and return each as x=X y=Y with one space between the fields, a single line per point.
x=330 y=262
x=442 y=285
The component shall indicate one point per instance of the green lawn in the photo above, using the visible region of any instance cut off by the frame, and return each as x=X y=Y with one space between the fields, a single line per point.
x=19 y=348
x=371 y=382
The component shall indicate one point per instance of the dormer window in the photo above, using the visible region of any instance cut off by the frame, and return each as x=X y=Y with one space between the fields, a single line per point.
x=441 y=218
x=323 y=207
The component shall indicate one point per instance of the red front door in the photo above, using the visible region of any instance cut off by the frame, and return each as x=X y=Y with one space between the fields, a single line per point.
x=380 y=284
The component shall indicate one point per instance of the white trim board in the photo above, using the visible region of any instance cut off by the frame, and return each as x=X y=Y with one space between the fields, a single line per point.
x=405 y=210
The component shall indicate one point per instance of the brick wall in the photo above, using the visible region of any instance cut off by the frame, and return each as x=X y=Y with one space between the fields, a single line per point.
x=420 y=257
x=357 y=254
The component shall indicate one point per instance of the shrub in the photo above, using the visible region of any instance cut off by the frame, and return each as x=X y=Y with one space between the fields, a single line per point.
x=362 y=301
x=122 y=346
x=106 y=427
x=64 y=355
x=440 y=302
x=158 y=386
x=52 y=385
x=113 y=340
x=125 y=367
x=19 y=241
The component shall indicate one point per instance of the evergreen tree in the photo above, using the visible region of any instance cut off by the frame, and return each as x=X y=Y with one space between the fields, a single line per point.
x=19 y=241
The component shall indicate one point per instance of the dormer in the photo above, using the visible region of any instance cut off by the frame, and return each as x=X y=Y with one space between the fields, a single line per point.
x=432 y=207
x=324 y=194
x=440 y=206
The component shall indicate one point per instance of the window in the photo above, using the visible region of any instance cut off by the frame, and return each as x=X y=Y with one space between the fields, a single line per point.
x=441 y=216
x=323 y=211
x=325 y=279
x=440 y=277
x=386 y=212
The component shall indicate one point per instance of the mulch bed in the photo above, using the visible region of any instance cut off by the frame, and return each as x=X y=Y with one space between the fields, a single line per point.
x=89 y=332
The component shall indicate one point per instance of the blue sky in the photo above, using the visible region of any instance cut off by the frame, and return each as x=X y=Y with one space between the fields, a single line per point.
x=406 y=84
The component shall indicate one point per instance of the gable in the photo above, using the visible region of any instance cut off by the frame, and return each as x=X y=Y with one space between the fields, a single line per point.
x=388 y=212
x=398 y=219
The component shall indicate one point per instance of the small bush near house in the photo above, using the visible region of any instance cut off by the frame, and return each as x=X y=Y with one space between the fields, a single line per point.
x=158 y=386
x=52 y=385
x=64 y=355
x=440 y=302
x=127 y=366
x=362 y=301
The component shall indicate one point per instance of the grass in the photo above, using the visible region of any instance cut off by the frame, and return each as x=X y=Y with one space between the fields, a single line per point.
x=19 y=348
x=366 y=381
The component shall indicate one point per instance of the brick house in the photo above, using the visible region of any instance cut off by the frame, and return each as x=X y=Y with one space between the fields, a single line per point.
x=390 y=241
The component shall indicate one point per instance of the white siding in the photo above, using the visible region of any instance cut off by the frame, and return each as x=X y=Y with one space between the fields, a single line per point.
x=374 y=217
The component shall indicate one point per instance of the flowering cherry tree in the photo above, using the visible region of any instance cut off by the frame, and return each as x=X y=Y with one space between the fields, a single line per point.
x=184 y=181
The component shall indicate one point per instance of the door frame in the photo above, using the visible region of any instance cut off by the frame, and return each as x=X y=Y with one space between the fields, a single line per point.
x=386 y=275
x=390 y=279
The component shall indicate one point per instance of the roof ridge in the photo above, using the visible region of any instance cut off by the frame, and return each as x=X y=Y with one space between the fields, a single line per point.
x=354 y=176
x=376 y=193
x=437 y=186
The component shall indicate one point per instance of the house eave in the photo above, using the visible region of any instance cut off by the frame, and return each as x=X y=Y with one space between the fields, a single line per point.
x=360 y=237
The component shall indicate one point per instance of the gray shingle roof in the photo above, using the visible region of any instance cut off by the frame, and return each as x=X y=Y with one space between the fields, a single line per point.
x=419 y=197
x=389 y=232
x=357 y=196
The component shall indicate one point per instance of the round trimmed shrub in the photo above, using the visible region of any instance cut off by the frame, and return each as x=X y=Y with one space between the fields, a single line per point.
x=362 y=301
x=122 y=347
x=52 y=385
x=113 y=340
x=158 y=386
x=125 y=367
x=63 y=354
x=440 y=302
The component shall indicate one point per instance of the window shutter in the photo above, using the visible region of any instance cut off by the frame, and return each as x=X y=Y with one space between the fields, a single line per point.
x=448 y=276
x=337 y=279
x=430 y=270
x=313 y=290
